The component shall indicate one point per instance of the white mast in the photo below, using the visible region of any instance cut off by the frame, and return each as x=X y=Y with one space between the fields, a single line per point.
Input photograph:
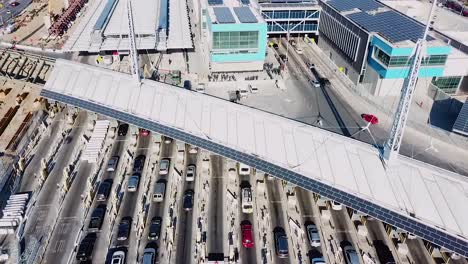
x=132 y=44
x=392 y=146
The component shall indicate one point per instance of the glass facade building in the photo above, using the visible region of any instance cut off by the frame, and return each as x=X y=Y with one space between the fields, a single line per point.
x=448 y=84
x=299 y=18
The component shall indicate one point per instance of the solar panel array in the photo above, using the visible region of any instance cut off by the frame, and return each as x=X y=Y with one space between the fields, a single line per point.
x=425 y=231
x=215 y=2
x=345 y=5
x=245 y=15
x=391 y=25
x=224 y=15
x=461 y=124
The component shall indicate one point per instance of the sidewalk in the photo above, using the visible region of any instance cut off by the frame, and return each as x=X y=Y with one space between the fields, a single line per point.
x=419 y=136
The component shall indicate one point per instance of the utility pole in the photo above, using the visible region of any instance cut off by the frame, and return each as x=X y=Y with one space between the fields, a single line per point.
x=392 y=146
x=135 y=70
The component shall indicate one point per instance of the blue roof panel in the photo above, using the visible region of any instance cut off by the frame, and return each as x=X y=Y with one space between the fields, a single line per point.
x=392 y=25
x=224 y=15
x=345 y=5
x=245 y=15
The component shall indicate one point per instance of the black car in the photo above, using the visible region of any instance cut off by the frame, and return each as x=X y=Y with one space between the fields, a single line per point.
x=104 y=190
x=155 y=228
x=275 y=46
x=188 y=200
x=123 y=129
x=124 y=228
x=97 y=218
x=187 y=85
x=281 y=243
x=139 y=163
x=85 y=250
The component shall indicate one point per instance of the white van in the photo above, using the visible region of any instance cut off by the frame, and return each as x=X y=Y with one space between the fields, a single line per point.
x=247 y=202
x=244 y=169
x=159 y=190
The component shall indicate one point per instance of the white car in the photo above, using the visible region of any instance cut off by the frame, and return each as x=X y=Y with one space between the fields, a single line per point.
x=164 y=166
x=193 y=150
x=243 y=92
x=191 y=171
x=118 y=257
x=253 y=88
x=299 y=50
x=336 y=206
x=244 y=169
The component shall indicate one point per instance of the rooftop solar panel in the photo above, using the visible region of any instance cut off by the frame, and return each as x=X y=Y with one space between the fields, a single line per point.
x=345 y=5
x=215 y=2
x=245 y=15
x=461 y=124
x=245 y=2
x=391 y=25
x=224 y=15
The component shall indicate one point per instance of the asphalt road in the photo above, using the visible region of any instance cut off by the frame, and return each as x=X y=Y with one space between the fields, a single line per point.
x=46 y=209
x=185 y=220
x=102 y=243
x=418 y=251
x=8 y=12
x=305 y=201
x=157 y=209
x=31 y=172
x=63 y=238
x=247 y=255
x=215 y=233
x=276 y=217
x=130 y=202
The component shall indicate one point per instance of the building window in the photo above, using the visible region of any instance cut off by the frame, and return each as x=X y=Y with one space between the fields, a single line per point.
x=403 y=61
x=382 y=56
x=448 y=84
x=237 y=40
x=435 y=60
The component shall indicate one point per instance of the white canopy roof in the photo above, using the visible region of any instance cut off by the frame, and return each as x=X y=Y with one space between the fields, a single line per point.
x=422 y=199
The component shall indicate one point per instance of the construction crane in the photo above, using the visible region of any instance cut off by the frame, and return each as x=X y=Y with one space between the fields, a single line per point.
x=135 y=69
x=392 y=146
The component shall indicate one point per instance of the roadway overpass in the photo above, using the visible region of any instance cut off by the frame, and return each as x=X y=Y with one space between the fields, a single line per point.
x=414 y=196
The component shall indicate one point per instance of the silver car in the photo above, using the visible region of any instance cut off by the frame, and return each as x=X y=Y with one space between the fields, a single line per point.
x=118 y=257
x=133 y=183
x=191 y=171
x=164 y=166
x=112 y=163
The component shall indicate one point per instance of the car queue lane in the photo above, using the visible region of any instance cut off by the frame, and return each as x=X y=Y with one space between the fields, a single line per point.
x=102 y=240
x=129 y=205
x=185 y=222
x=215 y=240
x=278 y=223
x=46 y=208
x=306 y=201
x=247 y=255
x=157 y=209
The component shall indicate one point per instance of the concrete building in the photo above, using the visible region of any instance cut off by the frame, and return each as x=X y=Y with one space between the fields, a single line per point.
x=235 y=35
x=451 y=28
x=299 y=18
x=372 y=44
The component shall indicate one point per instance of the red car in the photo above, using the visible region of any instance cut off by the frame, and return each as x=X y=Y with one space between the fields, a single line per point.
x=13 y=4
x=247 y=234
x=144 y=132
